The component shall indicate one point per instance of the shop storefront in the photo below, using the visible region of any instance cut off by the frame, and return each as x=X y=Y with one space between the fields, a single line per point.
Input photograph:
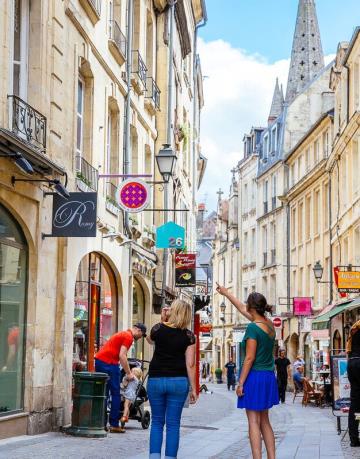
x=138 y=316
x=95 y=309
x=13 y=286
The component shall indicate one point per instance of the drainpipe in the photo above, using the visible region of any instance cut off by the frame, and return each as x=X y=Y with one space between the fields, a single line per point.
x=168 y=133
x=330 y=238
x=127 y=155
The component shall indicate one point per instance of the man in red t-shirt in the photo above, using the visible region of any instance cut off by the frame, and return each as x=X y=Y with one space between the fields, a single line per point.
x=107 y=361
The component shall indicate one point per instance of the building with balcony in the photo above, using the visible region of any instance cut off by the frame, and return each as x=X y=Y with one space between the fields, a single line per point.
x=80 y=105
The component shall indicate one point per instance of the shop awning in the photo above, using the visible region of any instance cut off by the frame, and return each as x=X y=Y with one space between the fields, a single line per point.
x=322 y=321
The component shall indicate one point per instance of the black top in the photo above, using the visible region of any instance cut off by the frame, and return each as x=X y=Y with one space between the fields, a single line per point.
x=355 y=345
x=230 y=367
x=169 y=355
x=281 y=367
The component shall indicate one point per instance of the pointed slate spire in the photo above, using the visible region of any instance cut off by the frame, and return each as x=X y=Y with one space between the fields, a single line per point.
x=277 y=103
x=307 y=58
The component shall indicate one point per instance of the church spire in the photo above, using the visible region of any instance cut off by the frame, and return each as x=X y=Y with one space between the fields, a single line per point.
x=307 y=57
x=277 y=103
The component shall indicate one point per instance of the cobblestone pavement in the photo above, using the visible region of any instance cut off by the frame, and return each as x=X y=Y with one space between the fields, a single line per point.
x=212 y=429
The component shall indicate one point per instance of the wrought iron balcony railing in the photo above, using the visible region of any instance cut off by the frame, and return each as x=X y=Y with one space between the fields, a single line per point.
x=111 y=197
x=27 y=123
x=153 y=91
x=87 y=173
x=96 y=4
x=118 y=37
x=139 y=67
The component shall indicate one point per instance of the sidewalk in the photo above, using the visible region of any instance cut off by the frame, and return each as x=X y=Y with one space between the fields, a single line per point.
x=213 y=429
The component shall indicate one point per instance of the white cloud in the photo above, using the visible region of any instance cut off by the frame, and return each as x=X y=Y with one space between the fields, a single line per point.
x=238 y=90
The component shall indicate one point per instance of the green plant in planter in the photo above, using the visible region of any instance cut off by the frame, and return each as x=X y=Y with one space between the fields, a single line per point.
x=218 y=374
x=82 y=177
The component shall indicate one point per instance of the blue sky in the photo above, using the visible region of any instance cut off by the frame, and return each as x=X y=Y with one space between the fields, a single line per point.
x=267 y=26
x=245 y=45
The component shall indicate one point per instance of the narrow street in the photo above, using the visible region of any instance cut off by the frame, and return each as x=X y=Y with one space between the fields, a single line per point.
x=213 y=429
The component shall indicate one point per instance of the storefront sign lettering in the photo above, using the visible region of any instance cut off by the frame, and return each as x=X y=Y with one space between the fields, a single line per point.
x=76 y=216
x=185 y=270
x=348 y=281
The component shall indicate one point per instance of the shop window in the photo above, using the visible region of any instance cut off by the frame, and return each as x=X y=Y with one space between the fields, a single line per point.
x=95 y=309
x=13 y=279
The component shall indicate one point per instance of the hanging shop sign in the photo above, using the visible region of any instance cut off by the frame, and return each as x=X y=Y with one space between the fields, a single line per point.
x=74 y=217
x=170 y=236
x=348 y=281
x=302 y=306
x=133 y=195
x=185 y=270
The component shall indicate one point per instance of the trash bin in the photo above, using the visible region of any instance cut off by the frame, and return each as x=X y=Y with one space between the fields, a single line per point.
x=89 y=399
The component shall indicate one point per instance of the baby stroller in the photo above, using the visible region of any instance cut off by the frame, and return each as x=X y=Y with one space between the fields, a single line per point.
x=137 y=411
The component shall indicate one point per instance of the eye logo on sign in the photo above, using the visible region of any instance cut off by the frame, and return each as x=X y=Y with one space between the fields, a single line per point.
x=133 y=195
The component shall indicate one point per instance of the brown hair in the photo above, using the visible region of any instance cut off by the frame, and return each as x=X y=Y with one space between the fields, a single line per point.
x=258 y=302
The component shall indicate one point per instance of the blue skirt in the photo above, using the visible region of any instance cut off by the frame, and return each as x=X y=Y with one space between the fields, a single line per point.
x=260 y=391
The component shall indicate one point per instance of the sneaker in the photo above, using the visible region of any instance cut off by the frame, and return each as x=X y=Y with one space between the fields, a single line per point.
x=114 y=429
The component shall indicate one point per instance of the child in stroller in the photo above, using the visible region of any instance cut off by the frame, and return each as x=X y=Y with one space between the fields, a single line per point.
x=134 y=395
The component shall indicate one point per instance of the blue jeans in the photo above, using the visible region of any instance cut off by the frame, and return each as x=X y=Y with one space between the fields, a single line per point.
x=167 y=397
x=112 y=387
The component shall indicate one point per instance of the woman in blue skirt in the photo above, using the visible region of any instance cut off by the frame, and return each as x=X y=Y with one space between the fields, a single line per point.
x=257 y=389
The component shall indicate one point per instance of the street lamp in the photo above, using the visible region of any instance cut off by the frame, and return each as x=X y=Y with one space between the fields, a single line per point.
x=222 y=310
x=318 y=271
x=166 y=160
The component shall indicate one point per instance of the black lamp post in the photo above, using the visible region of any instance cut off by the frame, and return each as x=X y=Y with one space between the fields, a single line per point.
x=166 y=159
x=222 y=310
x=318 y=271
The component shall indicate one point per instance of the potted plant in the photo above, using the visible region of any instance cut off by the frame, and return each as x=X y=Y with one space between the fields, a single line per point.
x=218 y=374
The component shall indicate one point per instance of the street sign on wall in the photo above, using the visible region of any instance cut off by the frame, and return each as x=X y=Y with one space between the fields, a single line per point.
x=74 y=217
x=185 y=270
x=170 y=236
x=133 y=195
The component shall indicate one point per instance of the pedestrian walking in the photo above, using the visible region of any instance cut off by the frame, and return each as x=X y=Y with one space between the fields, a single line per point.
x=107 y=361
x=257 y=389
x=353 y=369
x=171 y=375
x=230 y=373
x=282 y=365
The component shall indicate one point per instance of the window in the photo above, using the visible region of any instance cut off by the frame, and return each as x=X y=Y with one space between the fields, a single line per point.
x=150 y=48
x=13 y=281
x=325 y=141
x=326 y=206
x=253 y=193
x=273 y=186
x=344 y=180
x=356 y=165
x=246 y=198
x=346 y=256
x=245 y=252
x=308 y=218
x=20 y=48
x=80 y=117
x=307 y=160
x=266 y=146
x=246 y=293
x=265 y=191
x=300 y=223
x=274 y=139
x=272 y=292
x=357 y=245
x=253 y=245
x=293 y=226
x=316 y=212
x=300 y=284
x=316 y=151
x=292 y=175
x=356 y=86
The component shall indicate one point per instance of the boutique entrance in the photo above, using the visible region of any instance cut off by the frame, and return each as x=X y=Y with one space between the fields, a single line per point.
x=95 y=309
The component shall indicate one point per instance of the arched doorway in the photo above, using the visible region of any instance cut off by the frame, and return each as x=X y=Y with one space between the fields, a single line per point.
x=293 y=347
x=337 y=342
x=95 y=309
x=138 y=315
x=13 y=284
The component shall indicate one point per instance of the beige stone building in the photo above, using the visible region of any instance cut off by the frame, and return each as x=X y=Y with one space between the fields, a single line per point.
x=307 y=200
x=80 y=98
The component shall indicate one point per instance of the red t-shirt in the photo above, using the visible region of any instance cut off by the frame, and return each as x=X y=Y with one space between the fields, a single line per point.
x=109 y=353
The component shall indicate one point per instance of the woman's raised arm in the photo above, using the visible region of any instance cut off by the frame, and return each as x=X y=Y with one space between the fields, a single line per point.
x=239 y=305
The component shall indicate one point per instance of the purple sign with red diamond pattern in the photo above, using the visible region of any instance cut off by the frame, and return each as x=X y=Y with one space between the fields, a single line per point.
x=133 y=195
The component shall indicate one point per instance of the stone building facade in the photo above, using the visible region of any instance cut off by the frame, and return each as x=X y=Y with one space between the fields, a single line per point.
x=69 y=67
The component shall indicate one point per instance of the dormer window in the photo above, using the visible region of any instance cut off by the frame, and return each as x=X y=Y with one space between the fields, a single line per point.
x=274 y=139
x=266 y=146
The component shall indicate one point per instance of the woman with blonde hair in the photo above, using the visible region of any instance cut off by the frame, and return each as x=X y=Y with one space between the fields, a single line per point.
x=171 y=374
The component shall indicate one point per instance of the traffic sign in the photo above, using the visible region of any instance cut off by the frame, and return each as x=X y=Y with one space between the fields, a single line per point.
x=277 y=322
